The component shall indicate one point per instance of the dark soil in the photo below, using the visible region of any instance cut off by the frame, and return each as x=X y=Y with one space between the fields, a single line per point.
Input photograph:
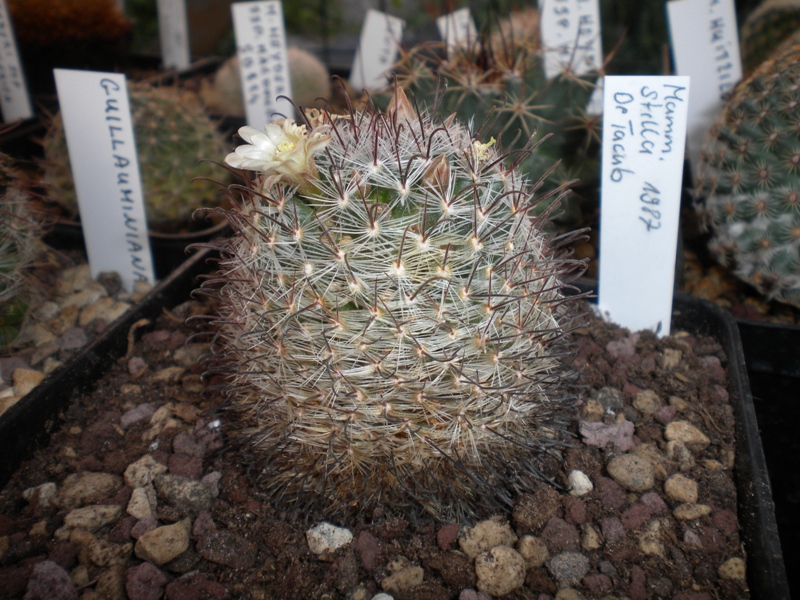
x=242 y=547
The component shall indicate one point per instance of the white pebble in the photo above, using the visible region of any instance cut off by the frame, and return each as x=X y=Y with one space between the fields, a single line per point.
x=580 y=483
x=326 y=538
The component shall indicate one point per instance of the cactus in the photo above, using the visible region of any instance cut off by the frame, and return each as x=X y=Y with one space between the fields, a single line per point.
x=309 y=78
x=749 y=180
x=64 y=22
x=173 y=133
x=392 y=320
x=19 y=240
x=765 y=28
x=502 y=88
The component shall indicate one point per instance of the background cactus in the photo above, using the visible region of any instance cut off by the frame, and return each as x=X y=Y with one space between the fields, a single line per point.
x=309 y=77
x=173 y=133
x=391 y=321
x=65 y=22
x=501 y=87
x=749 y=180
x=765 y=28
x=19 y=240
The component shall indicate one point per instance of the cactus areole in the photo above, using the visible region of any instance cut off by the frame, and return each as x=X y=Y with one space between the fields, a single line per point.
x=392 y=321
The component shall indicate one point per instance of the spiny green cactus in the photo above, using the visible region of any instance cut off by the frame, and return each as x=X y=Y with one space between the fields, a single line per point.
x=749 y=180
x=392 y=320
x=765 y=28
x=501 y=87
x=19 y=235
x=173 y=134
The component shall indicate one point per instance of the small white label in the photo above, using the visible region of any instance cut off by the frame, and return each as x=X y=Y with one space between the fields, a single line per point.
x=263 y=62
x=705 y=46
x=644 y=129
x=173 y=27
x=105 y=168
x=377 y=50
x=570 y=34
x=458 y=30
x=14 y=99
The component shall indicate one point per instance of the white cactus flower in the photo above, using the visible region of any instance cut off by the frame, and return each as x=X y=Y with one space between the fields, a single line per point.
x=284 y=148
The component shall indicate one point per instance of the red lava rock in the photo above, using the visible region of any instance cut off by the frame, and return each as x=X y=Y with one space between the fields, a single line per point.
x=665 y=414
x=446 y=536
x=637 y=589
x=136 y=366
x=14 y=579
x=226 y=548
x=198 y=585
x=720 y=394
x=611 y=494
x=597 y=433
x=629 y=390
x=623 y=347
x=153 y=339
x=654 y=503
x=176 y=340
x=185 y=443
x=635 y=516
x=725 y=521
x=143 y=526
x=143 y=412
x=559 y=536
x=121 y=532
x=185 y=465
x=368 y=549
x=145 y=582
x=713 y=539
x=692 y=596
x=574 y=510
x=64 y=554
x=49 y=581
x=203 y=524
x=612 y=528
x=713 y=368
x=598 y=584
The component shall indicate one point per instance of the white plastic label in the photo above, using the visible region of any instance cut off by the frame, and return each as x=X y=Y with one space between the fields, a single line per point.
x=458 y=30
x=644 y=128
x=263 y=62
x=14 y=99
x=173 y=26
x=105 y=168
x=570 y=34
x=705 y=46
x=377 y=50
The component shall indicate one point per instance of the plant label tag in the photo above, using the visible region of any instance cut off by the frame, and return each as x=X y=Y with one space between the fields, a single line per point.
x=705 y=46
x=173 y=28
x=570 y=35
x=377 y=50
x=458 y=30
x=263 y=61
x=644 y=130
x=14 y=99
x=105 y=168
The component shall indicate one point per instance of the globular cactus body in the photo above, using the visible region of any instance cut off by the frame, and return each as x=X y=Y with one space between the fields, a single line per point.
x=749 y=180
x=392 y=318
x=310 y=79
x=770 y=24
x=173 y=134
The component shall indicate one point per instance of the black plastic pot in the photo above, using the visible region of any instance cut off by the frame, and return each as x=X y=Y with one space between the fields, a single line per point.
x=28 y=424
x=772 y=356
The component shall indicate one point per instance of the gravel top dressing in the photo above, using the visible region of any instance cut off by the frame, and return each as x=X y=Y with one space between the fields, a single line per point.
x=138 y=494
